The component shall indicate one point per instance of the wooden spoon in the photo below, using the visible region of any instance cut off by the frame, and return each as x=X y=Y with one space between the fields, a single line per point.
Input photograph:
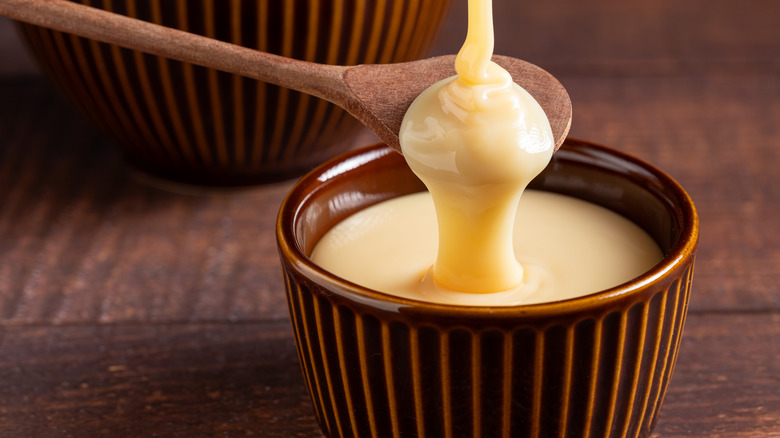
x=378 y=95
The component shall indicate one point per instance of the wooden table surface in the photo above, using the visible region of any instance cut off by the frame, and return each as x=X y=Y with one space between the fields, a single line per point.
x=127 y=310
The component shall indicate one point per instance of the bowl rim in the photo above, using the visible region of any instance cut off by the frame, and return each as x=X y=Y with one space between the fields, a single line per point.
x=681 y=253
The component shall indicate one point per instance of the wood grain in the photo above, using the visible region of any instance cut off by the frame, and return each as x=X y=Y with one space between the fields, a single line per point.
x=242 y=379
x=726 y=380
x=617 y=38
x=130 y=308
x=151 y=380
x=82 y=239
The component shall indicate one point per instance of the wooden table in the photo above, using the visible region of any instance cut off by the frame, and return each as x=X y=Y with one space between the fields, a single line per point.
x=127 y=310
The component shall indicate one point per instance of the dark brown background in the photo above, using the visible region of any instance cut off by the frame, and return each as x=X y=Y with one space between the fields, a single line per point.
x=127 y=309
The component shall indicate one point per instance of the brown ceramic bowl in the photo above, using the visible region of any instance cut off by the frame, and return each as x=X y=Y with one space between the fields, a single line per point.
x=599 y=365
x=196 y=125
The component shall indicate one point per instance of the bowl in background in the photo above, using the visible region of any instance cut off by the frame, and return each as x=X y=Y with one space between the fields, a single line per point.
x=200 y=126
x=379 y=365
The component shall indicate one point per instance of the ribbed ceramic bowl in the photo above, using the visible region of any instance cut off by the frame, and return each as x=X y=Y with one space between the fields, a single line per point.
x=595 y=366
x=196 y=125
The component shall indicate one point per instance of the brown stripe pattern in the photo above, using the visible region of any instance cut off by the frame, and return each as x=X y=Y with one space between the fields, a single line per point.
x=374 y=376
x=199 y=125
x=595 y=366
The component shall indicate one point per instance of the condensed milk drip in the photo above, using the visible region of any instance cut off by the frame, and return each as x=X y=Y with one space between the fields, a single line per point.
x=476 y=140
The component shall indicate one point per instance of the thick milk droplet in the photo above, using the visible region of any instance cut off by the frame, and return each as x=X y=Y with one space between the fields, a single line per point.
x=476 y=141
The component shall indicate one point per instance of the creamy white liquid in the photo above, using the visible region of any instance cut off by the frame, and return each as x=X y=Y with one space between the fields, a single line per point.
x=568 y=248
x=476 y=140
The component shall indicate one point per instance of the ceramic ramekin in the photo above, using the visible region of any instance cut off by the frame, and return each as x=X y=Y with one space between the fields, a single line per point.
x=200 y=126
x=596 y=366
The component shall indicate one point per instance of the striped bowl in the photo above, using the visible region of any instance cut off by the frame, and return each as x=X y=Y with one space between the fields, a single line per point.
x=196 y=125
x=595 y=366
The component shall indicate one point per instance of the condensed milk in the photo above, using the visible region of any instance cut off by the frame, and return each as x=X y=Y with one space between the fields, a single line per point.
x=567 y=248
x=476 y=140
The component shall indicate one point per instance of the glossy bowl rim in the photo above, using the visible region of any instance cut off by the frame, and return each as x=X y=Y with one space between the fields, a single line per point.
x=681 y=252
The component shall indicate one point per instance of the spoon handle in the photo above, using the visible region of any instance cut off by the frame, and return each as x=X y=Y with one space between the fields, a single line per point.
x=321 y=80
